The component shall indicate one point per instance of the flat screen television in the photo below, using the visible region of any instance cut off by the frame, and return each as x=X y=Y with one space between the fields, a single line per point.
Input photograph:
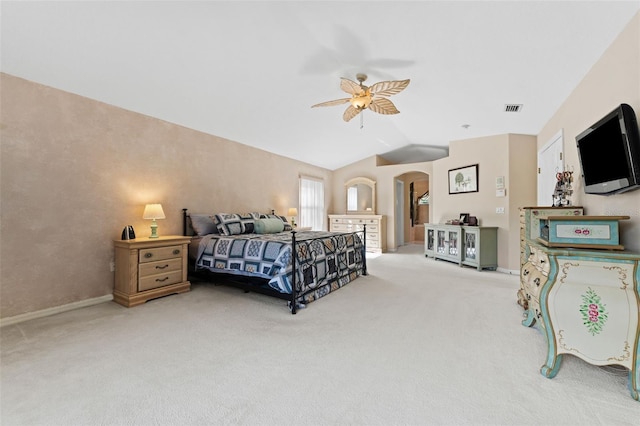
x=609 y=153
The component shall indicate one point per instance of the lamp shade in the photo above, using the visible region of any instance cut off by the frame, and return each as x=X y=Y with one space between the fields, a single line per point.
x=153 y=211
x=292 y=211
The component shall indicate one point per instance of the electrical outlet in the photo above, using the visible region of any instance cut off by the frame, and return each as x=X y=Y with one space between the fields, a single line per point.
x=500 y=210
x=112 y=266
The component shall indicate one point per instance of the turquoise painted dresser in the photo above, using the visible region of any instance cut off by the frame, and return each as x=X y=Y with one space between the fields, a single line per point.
x=589 y=302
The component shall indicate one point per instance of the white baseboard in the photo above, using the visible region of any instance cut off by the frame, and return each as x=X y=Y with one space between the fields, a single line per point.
x=55 y=310
x=508 y=271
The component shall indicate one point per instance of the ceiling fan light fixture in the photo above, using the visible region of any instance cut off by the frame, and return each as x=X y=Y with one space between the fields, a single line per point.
x=364 y=97
x=360 y=102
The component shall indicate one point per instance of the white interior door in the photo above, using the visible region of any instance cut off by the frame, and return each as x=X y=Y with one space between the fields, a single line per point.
x=550 y=162
x=399 y=213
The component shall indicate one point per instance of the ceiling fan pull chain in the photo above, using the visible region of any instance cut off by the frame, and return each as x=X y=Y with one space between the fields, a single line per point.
x=362 y=120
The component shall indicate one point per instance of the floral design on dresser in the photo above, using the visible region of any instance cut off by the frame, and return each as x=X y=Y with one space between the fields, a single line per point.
x=594 y=314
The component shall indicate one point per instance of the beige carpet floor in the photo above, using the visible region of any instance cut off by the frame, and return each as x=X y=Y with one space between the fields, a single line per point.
x=417 y=342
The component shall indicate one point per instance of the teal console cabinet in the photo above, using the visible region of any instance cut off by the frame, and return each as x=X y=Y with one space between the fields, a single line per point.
x=475 y=246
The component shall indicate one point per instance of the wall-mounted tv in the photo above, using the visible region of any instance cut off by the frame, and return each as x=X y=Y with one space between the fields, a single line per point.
x=609 y=153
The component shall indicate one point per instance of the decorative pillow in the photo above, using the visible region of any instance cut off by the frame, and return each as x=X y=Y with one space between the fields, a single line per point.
x=287 y=225
x=203 y=224
x=268 y=226
x=235 y=223
x=228 y=223
x=248 y=220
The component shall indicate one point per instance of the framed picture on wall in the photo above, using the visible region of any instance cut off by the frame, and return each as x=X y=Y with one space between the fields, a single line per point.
x=463 y=179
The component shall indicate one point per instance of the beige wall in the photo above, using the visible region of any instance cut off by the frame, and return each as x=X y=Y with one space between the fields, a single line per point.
x=613 y=80
x=512 y=157
x=385 y=177
x=76 y=171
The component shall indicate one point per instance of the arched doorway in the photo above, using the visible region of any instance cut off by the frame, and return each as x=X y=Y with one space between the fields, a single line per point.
x=412 y=203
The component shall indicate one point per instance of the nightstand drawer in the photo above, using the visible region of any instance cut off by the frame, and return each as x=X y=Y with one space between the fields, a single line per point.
x=159 y=280
x=161 y=267
x=160 y=253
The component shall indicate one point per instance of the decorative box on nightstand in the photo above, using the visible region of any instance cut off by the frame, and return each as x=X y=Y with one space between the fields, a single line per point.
x=147 y=268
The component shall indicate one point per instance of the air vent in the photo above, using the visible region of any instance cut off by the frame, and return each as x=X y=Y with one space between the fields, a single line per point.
x=512 y=107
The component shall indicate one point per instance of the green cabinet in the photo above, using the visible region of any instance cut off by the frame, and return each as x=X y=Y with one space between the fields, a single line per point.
x=480 y=248
x=475 y=246
x=429 y=240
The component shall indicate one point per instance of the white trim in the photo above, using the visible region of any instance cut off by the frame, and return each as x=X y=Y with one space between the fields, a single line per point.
x=508 y=271
x=55 y=310
x=551 y=177
x=558 y=135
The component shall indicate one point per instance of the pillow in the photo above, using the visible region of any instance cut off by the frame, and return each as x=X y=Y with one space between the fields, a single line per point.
x=235 y=223
x=287 y=225
x=203 y=224
x=228 y=223
x=248 y=220
x=268 y=226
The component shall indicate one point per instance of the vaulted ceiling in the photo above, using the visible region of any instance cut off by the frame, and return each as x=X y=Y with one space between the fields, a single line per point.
x=250 y=71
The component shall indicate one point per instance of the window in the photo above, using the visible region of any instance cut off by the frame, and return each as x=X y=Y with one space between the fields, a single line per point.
x=311 y=203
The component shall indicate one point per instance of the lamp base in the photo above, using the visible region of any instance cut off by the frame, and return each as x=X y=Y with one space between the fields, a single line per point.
x=154 y=229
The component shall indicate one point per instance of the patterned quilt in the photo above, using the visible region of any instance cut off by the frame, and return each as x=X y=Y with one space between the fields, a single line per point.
x=326 y=260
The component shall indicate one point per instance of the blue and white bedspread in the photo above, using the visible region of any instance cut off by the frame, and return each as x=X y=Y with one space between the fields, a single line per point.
x=326 y=260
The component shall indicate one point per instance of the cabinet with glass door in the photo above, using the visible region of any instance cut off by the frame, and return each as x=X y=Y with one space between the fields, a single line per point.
x=429 y=240
x=480 y=248
x=447 y=243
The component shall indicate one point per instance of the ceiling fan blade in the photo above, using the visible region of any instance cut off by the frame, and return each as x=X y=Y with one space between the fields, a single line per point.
x=332 y=103
x=388 y=88
x=350 y=113
x=349 y=86
x=383 y=106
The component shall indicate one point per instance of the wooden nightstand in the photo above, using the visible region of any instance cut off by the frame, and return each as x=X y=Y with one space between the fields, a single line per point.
x=147 y=268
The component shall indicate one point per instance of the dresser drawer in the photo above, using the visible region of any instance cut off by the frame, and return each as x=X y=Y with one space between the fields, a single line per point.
x=372 y=236
x=373 y=243
x=160 y=267
x=376 y=235
x=160 y=253
x=159 y=280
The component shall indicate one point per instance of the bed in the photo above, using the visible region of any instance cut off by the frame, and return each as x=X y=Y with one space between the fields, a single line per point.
x=253 y=251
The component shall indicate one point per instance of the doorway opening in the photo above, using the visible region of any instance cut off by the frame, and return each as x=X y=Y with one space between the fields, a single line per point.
x=412 y=203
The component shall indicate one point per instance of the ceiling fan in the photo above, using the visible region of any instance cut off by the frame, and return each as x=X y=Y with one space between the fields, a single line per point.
x=363 y=97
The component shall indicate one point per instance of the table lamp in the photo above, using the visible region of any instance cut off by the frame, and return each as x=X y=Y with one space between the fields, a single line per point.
x=153 y=212
x=293 y=212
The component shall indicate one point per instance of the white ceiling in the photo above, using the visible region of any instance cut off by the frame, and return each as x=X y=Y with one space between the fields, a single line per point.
x=250 y=71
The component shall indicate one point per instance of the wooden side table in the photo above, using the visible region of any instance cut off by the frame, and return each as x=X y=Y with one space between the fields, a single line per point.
x=148 y=268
